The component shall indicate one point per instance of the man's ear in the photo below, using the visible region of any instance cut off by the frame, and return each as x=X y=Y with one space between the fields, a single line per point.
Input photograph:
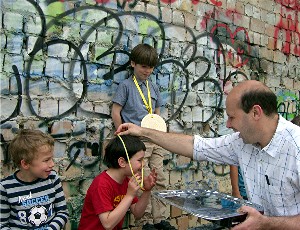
x=122 y=162
x=24 y=164
x=257 y=111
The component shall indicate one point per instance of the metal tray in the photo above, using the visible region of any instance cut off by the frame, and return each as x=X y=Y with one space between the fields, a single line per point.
x=213 y=206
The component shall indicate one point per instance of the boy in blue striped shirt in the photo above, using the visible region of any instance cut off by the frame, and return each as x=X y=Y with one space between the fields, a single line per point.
x=32 y=197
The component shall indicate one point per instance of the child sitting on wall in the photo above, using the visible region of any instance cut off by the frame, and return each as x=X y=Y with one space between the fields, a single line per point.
x=112 y=192
x=32 y=197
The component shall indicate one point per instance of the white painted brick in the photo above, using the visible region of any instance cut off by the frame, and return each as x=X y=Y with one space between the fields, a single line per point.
x=175 y=177
x=186 y=114
x=13 y=21
x=48 y=108
x=197 y=113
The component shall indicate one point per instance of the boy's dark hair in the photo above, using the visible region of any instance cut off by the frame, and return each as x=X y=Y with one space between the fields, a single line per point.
x=144 y=54
x=115 y=149
x=25 y=145
x=265 y=98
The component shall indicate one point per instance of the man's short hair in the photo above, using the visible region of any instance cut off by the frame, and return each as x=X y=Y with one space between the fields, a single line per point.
x=263 y=97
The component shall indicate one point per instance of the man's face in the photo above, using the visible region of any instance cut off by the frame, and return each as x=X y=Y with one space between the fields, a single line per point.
x=142 y=72
x=239 y=121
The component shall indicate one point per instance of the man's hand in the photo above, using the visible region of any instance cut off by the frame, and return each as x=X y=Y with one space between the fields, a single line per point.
x=254 y=220
x=129 y=129
x=150 y=181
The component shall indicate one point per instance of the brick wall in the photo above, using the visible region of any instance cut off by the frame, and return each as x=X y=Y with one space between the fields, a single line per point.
x=61 y=62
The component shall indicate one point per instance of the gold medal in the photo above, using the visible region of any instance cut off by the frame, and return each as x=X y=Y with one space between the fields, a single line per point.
x=154 y=121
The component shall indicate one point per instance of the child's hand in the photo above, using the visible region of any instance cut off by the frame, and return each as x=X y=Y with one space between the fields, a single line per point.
x=133 y=185
x=150 y=181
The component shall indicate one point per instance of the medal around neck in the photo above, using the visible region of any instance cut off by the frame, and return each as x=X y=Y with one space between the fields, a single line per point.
x=154 y=121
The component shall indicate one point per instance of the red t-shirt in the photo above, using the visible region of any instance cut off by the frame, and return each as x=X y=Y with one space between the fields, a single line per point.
x=104 y=194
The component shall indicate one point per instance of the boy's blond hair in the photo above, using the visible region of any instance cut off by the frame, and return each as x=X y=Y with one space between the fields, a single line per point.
x=25 y=145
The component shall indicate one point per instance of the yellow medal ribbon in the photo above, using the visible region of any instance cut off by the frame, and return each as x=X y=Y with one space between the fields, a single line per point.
x=142 y=182
x=148 y=106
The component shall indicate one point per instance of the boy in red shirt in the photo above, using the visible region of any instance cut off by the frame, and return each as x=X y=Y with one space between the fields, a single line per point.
x=112 y=192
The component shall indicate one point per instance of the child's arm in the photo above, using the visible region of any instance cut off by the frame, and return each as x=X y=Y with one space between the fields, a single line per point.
x=116 y=114
x=157 y=111
x=234 y=177
x=139 y=208
x=60 y=207
x=111 y=218
x=4 y=209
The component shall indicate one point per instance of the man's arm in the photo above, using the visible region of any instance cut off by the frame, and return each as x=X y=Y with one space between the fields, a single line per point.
x=255 y=220
x=116 y=114
x=176 y=143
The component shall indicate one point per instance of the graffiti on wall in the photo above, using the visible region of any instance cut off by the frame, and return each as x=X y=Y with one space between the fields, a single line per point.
x=287 y=29
x=75 y=55
x=288 y=104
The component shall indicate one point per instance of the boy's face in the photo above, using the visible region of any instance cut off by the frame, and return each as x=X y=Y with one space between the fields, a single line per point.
x=136 y=162
x=42 y=164
x=142 y=72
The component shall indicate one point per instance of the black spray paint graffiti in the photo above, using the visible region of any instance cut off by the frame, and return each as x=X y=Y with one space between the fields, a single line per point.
x=19 y=92
x=285 y=108
x=158 y=37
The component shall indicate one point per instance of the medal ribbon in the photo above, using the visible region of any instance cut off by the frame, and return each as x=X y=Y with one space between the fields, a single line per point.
x=142 y=182
x=148 y=106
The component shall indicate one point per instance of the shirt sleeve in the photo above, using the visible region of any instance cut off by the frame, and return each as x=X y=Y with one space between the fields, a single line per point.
x=159 y=101
x=62 y=214
x=221 y=150
x=120 y=96
x=4 y=209
x=102 y=200
x=105 y=198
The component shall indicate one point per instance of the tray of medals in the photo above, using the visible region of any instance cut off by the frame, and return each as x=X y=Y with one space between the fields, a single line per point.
x=216 y=207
